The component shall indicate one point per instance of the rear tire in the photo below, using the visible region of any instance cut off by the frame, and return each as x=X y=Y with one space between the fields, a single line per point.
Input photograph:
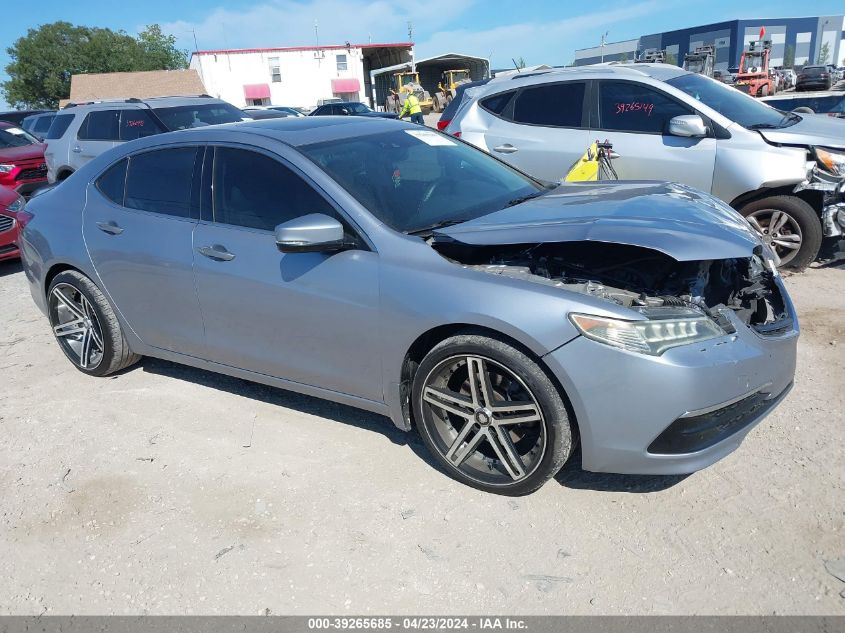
x=86 y=327
x=507 y=431
x=795 y=222
x=764 y=91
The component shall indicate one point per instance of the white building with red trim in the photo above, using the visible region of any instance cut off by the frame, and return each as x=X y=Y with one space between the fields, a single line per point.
x=296 y=76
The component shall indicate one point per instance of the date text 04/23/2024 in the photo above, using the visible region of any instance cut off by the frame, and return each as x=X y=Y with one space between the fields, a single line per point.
x=426 y=623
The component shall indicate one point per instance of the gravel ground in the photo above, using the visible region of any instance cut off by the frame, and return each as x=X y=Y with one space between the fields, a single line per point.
x=171 y=490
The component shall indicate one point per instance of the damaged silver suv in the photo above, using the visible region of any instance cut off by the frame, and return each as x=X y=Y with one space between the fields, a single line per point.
x=784 y=172
x=399 y=270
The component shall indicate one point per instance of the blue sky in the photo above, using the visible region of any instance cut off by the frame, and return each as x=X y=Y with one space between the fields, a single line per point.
x=541 y=31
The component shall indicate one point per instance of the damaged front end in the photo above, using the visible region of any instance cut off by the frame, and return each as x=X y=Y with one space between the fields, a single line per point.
x=701 y=294
x=826 y=174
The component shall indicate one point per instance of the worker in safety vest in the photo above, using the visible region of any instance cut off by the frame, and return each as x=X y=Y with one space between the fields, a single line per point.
x=412 y=107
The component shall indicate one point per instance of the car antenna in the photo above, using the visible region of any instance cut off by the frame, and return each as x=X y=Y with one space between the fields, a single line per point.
x=515 y=65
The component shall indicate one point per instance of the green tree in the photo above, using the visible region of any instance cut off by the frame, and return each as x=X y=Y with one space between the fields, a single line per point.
x=824 y=54
x=789 y=57
x=520 y=62
x=43 y=61
x=670 y=58
x=623 y=57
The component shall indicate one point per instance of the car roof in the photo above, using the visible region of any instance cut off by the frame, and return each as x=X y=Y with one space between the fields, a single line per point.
x=293 y=131
x=153 y=102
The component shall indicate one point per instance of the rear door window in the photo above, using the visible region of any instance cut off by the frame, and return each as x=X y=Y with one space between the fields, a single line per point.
x=160 y=181
x=59 y=126
x=551 y=105
x=137 y=124
x=633 y=107
x=497 y=103
x=100 y=125
x=112 y=183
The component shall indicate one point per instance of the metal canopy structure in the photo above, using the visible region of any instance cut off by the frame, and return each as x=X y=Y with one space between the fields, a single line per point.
x=430 y=70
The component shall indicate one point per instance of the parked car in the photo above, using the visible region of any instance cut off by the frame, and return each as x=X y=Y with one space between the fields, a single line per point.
x=16 y=116
x=257 y=115
x=82 y=132
x=351 y=108
x=454 y=104
x=329 y=100
x=284 y=109
x=38 y=124
x=830 y=103
x=667 y=123
x=22 y=165
x=347 y=259
x=814 y=78
x=12 y=215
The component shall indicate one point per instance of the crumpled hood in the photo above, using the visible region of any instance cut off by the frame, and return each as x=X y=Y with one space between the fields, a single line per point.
x=682 y=222
x=812 y=129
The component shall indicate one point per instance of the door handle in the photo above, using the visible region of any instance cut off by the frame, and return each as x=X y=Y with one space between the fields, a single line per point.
x=507 y=148
x=76 y=149
x=217 y=251
x=109 y=227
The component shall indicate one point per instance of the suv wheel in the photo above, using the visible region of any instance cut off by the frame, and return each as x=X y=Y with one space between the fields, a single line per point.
x=789 y=225
x=490 y=415
x=86 y=327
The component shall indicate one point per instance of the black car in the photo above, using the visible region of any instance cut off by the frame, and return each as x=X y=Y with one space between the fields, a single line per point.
x=16 y=116
x=351 y=108
x=814 y=77
x=831 y=104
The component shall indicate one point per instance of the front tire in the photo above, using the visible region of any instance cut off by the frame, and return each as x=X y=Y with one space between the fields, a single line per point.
x=86 y=327
x=490 y=416
x=789 y=225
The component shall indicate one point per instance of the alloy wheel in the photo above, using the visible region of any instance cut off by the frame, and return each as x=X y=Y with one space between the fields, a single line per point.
x=779 y=230
x=484 y=420
x=76 y=326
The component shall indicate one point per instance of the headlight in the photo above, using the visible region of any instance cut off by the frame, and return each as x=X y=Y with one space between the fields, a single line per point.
x=16 y=206
x=6 y=168
x=831 y=161
x=654 y=336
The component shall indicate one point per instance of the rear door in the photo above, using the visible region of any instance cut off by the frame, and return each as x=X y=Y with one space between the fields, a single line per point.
x=138 y=226
x=99 y=131
x=539 y=129
x=634 y=117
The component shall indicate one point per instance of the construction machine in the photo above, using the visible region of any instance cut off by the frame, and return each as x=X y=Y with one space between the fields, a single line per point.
x=652 y=56
x=700 y=61
x=754 y=77
x=449 y=83
x=403 y=85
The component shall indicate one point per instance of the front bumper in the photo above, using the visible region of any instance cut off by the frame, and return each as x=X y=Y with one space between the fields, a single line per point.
x=9 y=243
x=628 y=404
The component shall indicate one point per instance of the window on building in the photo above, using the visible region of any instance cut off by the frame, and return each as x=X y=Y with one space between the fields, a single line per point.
x=341 y=62
x=275 y=70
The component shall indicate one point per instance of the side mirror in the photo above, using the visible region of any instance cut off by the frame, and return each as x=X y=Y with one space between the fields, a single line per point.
x=312 y=233
x=690 y=125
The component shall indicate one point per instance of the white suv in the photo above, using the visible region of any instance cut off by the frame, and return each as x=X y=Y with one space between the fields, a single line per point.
x=784 y=172
x=80 y=133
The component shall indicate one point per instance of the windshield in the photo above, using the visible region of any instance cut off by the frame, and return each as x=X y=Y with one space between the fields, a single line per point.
x=414 y=180
x=15 y=137
x=183 y=117
x=357 y=108
x=731 y=103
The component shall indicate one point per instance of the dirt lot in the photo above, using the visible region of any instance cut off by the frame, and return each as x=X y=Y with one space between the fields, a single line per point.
x=171 y=490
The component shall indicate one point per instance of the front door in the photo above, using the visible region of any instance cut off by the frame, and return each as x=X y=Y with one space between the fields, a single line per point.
x=635 y=118
x=303 y=317
x=138 y=226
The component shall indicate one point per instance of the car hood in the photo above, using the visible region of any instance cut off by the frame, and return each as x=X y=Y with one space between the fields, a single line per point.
x=812 y=129
x=27 y=152
x=380 y=115
x=681 y=222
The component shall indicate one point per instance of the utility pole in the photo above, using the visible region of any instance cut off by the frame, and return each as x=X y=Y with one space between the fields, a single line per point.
x=603 y=42
x=411 y=40
x=316 y=34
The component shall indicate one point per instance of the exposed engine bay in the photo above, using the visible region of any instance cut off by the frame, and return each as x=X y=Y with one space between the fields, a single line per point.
x=638 y=277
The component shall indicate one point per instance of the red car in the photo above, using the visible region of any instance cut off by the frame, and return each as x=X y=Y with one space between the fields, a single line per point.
x=12 y=219
x=22 y=165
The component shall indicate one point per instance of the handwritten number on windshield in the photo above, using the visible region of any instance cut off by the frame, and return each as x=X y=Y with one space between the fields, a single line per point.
x=634 y=106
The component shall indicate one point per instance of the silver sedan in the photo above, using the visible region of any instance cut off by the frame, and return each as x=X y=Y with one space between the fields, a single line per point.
x=398 y=270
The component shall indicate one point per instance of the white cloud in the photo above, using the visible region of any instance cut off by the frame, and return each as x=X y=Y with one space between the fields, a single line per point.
x=291 y=23
x=539 y=42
